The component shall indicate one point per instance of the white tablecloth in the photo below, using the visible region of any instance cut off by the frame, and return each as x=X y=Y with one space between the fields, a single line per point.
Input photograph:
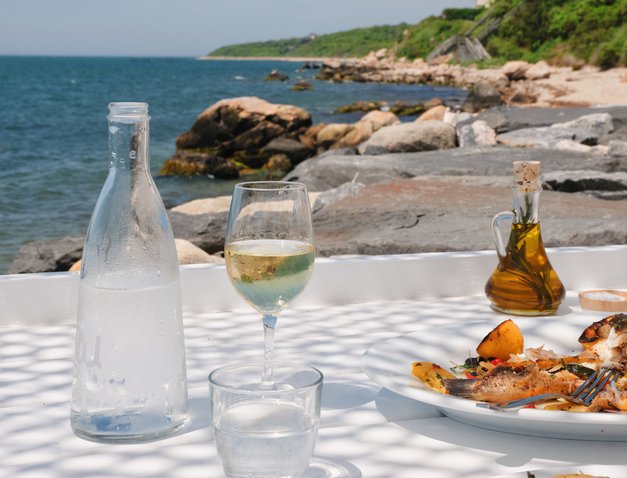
x=365 y=431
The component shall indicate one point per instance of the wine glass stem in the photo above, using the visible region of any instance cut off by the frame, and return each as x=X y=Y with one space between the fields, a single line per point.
x=269 y=323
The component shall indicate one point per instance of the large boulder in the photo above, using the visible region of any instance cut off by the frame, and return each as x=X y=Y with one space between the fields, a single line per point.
x=411 y=137
x=505 y=118
x=243 y=132
x=587 y=130
x=433 y=214
x=228 y=119
x=48 y=255
x=331 y=170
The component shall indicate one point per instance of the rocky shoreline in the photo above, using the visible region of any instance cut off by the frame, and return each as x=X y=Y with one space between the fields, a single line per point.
x=385 y=186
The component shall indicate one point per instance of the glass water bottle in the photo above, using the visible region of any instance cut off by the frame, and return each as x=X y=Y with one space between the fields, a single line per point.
x=524 y=282
x=129 y=380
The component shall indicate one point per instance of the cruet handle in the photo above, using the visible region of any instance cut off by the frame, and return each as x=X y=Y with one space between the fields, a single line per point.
x=496 y=232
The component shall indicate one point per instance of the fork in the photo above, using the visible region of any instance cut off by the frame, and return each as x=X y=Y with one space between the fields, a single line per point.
x=583 y=395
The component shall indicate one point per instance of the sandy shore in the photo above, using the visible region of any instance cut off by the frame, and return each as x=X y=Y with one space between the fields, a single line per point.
x=558 y=87
x=585 y=87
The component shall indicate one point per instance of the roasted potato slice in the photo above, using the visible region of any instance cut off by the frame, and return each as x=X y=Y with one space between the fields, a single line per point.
x=505 y=339
x=431 y=374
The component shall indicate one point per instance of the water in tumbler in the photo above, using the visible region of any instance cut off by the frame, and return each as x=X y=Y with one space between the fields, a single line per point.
x=279 y=447
x=129 y=398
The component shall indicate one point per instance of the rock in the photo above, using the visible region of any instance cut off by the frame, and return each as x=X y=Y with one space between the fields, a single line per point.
x=188 y=253
x=229 y=119
x=331 y=170
x=476 y=133
x=332 y=133
x=294 y=150
x=432 y=103
x=48 y=255
x=456 y=117
x=194 y=163
x=545 y=137
x=379 y=119
x=403 y=108
x=206 y=231
x=520 y=92
x=504 y=118
x=219 y=204
x=435 y=113
x=362 y=130
x=301 y=86
x=443 y=214
x=334 y=195
x=483 y=95
x=410 y=137
x=276 y=75
x=361 y=106
x=592 y=182
x=570 y=145
x=278 y=163
x=538 y=71
x=618 y=148
x=308 y=138
x=515 y=70
x=595 y=125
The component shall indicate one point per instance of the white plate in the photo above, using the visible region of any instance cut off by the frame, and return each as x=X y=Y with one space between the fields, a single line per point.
x=388 y=363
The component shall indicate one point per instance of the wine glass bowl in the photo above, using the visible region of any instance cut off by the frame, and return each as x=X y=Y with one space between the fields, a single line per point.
x=269 y=251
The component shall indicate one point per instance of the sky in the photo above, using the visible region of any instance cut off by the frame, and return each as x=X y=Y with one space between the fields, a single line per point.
x=187 y=27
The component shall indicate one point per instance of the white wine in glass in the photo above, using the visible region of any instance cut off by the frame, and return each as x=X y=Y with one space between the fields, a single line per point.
x=269 y=250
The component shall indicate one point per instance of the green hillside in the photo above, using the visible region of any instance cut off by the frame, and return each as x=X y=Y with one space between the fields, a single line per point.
x=570 y=32
x=352 y=43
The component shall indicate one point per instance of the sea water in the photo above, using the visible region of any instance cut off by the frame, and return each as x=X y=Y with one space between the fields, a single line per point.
x=265 y=439
x=130 y=364
x=53 y=127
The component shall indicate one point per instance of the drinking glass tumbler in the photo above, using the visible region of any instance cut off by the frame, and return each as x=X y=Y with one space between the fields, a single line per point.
x=260 y=431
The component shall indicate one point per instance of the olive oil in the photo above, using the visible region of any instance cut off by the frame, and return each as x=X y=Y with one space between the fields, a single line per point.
x=524 y=282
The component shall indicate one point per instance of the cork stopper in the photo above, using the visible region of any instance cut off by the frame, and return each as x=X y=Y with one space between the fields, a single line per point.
x=527 y=175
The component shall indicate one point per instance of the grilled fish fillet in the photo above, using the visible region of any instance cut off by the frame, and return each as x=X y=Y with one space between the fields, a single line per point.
x=510 y=382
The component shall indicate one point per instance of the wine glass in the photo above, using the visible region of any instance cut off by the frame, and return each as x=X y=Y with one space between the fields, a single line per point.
x=269 y=251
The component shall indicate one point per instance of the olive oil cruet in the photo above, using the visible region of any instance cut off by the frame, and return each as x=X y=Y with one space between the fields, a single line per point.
x=524 y=282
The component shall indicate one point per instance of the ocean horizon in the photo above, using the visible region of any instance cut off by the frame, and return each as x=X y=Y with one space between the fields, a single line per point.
x=53 y=128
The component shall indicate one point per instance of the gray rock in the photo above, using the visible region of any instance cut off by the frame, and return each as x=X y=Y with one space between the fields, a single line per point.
x=618 y=148
x=505 y=118
x=483 y=95
x=433 y=214
x=334 y=195
x=546 y=137
x=476 y=133
x=322 y=173
x=592 y=182
x=595 y=125
x=48 y=256
x=206 y=231
x=410 y=137
x=294 y=150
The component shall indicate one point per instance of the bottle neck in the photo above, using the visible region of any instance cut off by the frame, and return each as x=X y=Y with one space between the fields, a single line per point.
x=128 y=143
x=526 y=206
